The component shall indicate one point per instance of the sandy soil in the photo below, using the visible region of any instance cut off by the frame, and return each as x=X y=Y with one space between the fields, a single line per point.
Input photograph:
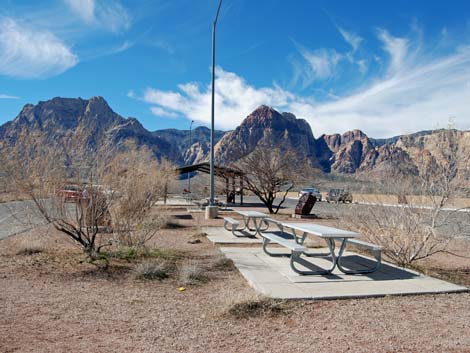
x=53 y=301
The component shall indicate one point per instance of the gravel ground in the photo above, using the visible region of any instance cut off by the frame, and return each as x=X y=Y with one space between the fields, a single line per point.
x=53 y=301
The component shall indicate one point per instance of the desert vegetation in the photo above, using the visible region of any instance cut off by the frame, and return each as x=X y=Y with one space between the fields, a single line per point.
x=410 y=232
x=96 y=203
x=270 y=172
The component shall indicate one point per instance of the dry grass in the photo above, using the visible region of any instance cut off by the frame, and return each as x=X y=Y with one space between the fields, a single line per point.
x=192 y=273
x=154 y=270
x=260 y=308
x=30 y=245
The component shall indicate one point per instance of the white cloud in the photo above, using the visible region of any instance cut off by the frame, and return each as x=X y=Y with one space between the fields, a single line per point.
x=109 y=14
x=322 y=62
x=84 y=8
x=163 y=113
x=396 y=47
x=234 y=99
x=32 y=53
x=353 y=39
x=7 y=96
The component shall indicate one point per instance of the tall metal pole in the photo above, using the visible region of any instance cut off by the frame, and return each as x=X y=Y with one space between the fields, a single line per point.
x=190 y=144
x=214 y=24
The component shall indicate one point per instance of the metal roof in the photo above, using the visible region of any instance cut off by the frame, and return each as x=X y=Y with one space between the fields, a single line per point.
x=205 y=168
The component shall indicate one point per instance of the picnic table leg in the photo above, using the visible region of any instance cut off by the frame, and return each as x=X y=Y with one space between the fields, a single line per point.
x=247 y=228
x=357 y=272
x=297 y=259
x=299 y=239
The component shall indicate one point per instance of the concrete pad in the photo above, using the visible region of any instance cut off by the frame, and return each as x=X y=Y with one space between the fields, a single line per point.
x=219 y=235
x=272 y=276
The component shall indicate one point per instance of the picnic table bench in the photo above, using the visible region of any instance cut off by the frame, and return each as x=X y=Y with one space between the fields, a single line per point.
x=294 y=242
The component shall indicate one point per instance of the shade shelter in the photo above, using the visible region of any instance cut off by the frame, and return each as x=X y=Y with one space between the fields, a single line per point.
x=228 y=174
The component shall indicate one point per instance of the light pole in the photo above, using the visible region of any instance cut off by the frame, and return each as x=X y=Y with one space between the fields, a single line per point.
x=211 y=210
x=190 y=144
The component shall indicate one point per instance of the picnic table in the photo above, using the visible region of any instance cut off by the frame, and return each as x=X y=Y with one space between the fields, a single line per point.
x=299 y=231
x=252 y=223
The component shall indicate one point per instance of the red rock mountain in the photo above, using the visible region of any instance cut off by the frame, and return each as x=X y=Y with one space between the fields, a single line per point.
x=81 y=127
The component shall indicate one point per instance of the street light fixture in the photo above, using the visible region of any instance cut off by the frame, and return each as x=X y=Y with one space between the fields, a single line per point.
x=211 y=210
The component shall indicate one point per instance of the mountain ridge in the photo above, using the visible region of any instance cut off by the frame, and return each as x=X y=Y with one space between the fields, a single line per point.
x=87 y=125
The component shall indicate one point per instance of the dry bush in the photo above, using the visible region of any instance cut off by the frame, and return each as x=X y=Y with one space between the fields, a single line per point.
x=154 y=270
x=221 y=263
x=30 y=247
x=138 y=182
x=192 y=273
x=410 y=232
x=41 y=176
x=118 y=188
x=259 y=307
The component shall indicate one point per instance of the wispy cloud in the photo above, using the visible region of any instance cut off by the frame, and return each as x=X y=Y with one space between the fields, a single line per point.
x=108 y=14
x=28 y=52
x=322 y=64
x=84 y=8
x=353 y=39
x=396 y=47
x=7 y=96
x=315 y=65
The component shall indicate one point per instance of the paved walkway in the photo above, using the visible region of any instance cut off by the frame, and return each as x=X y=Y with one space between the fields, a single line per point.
x=272 y=276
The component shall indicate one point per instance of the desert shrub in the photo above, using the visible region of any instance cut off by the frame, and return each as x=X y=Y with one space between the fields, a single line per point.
x=411 y=231
x=30 y=249
x=192 y=273
x=154 y=270
x=137 y=253
x=259 y=307
x=222 y=263
x=30 y=245
x=115 y=190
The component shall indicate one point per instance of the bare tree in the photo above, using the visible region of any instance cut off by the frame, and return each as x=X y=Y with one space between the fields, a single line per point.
x=270 y=172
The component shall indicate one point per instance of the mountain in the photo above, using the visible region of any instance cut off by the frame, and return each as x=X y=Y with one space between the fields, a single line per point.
x=267 y=126
x=193 y=147
x=81 y=128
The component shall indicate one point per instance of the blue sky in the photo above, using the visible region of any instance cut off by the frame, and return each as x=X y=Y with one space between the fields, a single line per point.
x=385 y=67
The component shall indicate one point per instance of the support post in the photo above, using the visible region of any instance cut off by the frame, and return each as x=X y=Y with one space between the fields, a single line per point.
x=211 y=210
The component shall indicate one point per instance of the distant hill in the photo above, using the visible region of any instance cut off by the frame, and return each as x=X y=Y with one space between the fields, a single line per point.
x=82 y=127
x=191 y=151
